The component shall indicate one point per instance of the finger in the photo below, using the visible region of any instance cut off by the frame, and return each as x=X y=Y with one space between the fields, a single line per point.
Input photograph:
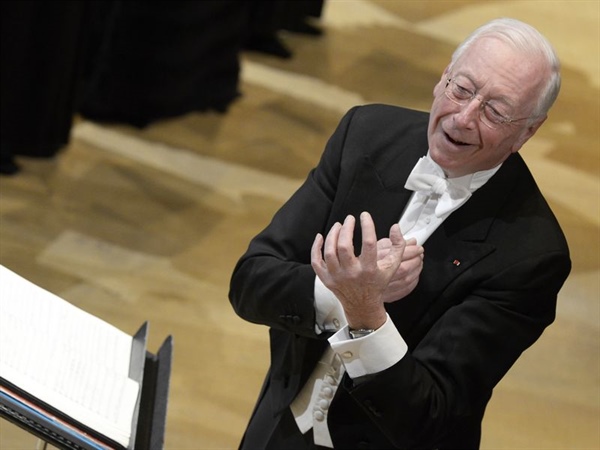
x=330 y=247
x=394 y=256
x=384 y=243
x=412 y=267
x=398 y=242
x=316 y=259
x=412 y=251
x=383 y=247
x=409 y=270
x=345 y=246
x=368 y=252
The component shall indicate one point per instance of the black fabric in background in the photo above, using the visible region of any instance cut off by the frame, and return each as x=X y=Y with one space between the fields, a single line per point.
x=159 y=59
x=122 y=61
x=41 y=61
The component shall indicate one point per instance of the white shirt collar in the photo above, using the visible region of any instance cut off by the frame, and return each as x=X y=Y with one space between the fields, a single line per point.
x=472 y=181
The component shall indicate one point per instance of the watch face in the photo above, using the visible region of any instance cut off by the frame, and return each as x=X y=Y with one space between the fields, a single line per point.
x=355 y=334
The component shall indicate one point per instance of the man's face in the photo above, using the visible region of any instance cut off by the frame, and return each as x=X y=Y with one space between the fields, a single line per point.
x=509 y=82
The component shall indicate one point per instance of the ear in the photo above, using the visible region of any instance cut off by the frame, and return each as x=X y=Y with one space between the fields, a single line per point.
x=527 y=133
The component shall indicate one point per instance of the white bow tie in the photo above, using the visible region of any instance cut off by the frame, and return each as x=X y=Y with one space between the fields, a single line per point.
x=428 y=178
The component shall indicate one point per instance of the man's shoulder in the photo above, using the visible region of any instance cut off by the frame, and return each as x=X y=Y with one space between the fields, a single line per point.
x=379 y=126
x=390 y=121
x=382 y=110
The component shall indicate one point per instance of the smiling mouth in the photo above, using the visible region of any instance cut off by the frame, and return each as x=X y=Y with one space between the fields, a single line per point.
x=455 y=142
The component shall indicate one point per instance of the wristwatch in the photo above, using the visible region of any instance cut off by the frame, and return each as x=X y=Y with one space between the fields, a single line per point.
x=361 y=332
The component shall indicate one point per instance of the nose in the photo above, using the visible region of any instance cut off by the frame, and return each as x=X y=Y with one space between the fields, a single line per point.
x=468 y=116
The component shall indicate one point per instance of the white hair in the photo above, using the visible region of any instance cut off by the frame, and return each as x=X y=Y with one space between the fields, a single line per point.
x=527 y=39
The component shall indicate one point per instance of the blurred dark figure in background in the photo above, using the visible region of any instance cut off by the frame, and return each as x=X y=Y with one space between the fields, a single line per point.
x=42 y=59
x=266 y=18
x=132 y=62
x=299 y=15
x=159 y=59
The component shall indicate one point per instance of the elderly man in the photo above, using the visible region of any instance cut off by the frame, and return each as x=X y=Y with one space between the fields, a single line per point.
x=399 y=342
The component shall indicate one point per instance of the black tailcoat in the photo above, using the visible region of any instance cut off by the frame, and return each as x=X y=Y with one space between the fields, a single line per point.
x=487 y=290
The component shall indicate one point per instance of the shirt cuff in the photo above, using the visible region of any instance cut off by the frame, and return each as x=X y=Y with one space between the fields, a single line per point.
x=370 y=354
x=329 y=312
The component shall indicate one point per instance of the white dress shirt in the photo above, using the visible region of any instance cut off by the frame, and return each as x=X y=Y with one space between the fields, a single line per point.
x=378 y=350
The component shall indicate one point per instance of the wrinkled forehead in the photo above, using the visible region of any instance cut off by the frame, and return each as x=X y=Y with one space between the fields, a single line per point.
x=502 y=68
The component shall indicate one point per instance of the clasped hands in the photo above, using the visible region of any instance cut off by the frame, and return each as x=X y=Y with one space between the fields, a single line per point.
x=385 y=271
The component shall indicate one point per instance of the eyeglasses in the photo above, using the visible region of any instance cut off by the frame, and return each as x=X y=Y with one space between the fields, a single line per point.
x=488 y=114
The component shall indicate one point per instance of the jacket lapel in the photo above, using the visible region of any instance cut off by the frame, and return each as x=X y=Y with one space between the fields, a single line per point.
x=455 y=247
x=383 y=199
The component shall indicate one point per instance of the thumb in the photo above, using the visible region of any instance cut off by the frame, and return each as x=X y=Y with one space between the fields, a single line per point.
x=394 y=256
x=396 y=238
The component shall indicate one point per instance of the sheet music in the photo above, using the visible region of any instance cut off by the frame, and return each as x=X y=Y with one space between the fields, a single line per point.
x=66 y=357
